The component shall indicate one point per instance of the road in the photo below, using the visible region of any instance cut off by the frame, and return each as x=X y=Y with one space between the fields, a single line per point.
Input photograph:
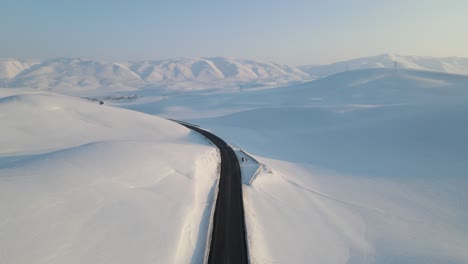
x=228 y=239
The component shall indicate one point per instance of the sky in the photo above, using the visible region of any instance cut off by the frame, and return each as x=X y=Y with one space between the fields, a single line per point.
x=294 y=32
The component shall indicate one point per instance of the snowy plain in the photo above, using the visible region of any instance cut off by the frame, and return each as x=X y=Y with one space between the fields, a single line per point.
x=365 y=166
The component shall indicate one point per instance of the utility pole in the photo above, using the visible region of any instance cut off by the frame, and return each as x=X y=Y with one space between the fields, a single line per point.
x=396 y=65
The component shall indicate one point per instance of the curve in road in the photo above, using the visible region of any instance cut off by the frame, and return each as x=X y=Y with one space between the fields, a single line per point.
x=228 y=237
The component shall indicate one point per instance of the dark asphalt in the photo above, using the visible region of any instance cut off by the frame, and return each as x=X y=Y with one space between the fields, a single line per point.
x=228 y=240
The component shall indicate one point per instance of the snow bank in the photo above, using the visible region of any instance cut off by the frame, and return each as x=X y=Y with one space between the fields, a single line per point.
x=298 y=213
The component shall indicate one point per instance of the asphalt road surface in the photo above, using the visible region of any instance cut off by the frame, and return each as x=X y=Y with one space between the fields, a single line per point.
x=228 y=240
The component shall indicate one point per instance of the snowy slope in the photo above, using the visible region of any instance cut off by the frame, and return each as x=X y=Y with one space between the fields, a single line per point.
x=366 y=87
x=84 y=183
x=368 y=185
x=452 y=65
x=360 y=167
x=78 y=76
x=215 y=71
x=355 y=184
x=378 y=86
x=9 y=68
x=366 y=166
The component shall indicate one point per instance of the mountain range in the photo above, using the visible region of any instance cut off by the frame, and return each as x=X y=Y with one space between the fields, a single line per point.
x=85 y=76
x=75 y=75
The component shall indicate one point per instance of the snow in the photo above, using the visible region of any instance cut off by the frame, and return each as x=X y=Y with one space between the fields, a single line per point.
x=84 y=183
x=364 y=166
x=214 y=72
x=354 y=184
x=85 y=77
x=9 y=68
x=296 y=214
x=453 y=65
x=249 y=165
x=78 y=76
x=397 y=179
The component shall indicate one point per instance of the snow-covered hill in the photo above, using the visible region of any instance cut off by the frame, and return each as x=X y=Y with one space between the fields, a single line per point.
x=361 y=87
x=454 y=65
x=361 y=167
x=88 y=77
x=384 y=86
x=215 y=71
x=85 y=183
x=9 y=68
x=364 y=166
x=77 y=76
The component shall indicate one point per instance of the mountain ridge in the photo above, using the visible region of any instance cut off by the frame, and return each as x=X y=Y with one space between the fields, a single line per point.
x=454 y=65
x=86 y=76
x=65 y=74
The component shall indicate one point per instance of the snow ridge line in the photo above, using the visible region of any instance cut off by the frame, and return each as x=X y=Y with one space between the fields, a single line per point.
x=333 y=198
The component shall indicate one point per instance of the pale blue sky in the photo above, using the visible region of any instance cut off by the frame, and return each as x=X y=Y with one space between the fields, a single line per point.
x=294 y=32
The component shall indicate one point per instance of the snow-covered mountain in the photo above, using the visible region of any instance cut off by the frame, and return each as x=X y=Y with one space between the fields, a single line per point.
x=67 y=75
x=96 y=179
x=213 y=70
x=78 y=76
x=9 y=68
x=91 y=77
x=454 y=65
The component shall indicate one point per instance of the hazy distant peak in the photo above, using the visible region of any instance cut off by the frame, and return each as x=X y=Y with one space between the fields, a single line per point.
x=454 y=65
x=78 y=75
x=10 y=67
x=212 y=69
